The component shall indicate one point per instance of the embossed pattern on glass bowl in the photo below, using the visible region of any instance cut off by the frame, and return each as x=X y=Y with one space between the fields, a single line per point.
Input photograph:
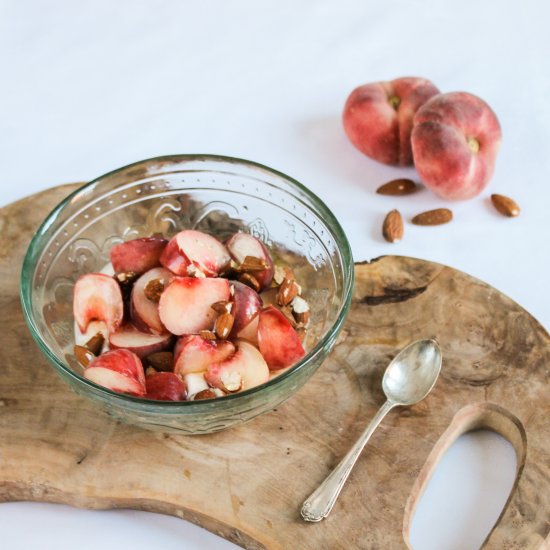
x=219 y=195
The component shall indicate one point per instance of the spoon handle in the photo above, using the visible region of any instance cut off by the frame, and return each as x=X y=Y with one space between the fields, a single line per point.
x=320 y=502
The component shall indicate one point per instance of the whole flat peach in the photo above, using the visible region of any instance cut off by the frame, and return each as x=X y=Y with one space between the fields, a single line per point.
x=378 y=117
x=455 y=141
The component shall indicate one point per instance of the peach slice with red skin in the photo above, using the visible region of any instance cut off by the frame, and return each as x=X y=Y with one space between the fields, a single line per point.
x=141 y=343
x=245 y=369
x=246 y=305
x=137 y=255
x=278 y=342
x=455 y=141
x=172 y=258
x=184 y=306
x=144 y=312
x=191 y=250
x=97 y=297
x=241 y=245
x=194 y=354
x=164 y=386
x=250 y=331
x=378 y=117
x=118 y=370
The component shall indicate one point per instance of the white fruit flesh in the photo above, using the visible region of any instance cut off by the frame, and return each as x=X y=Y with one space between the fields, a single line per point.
x=97 y=297
x=250 y=331
x=247 y=363
x=194 y=382
x=194 y=354
x=141 y=343
x=184 y=306
x=82 y=338
x=113 y=380
x=204 y=251
x=145 y=313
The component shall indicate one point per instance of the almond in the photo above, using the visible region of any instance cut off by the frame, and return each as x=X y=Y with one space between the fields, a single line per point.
x=251 y=264
x=282 y=273
x=223 y=325
x=232 y=381
x=250 y=281
x=83 y=355
x=300 y=310
x=95 y=343
x=222 y=307
x=505 y=205
x=289 y=314
x=204 y=394
x=398 y=187
x=392 y=228
x=433 y=217
x=302 y=318
x=207 y=334
x=288 y=290
x=162 y=361
x=153 y=290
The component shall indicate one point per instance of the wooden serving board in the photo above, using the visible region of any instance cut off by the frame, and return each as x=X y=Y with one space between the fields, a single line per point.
x=247 y=484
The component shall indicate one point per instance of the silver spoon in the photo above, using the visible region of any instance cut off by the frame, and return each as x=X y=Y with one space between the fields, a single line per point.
x=408 y=379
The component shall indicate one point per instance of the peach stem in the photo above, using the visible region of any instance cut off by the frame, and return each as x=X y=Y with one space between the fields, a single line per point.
x=394 y=101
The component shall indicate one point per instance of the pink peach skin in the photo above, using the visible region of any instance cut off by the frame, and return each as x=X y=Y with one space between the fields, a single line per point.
x=97 y=297
x=137 y=255
x=119 y=370
x=378 y=117
x=455 y=141
x=164 y=386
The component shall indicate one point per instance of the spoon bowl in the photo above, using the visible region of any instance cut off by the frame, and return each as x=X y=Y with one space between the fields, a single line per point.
x=412 y=373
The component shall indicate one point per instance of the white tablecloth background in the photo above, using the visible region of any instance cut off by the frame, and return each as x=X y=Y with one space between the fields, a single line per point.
x=89 y=86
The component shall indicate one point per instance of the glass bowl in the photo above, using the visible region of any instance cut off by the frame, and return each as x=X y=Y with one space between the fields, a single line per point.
x=218 y=195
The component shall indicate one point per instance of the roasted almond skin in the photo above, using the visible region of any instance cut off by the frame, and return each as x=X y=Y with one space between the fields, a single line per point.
x=438 y=216
x=302 y=318
x=153 y=290
x=83 y=355
x=251 y=264
x=398 y=187
x=392 y=228
x=223 y=325
x=505 y=205
x=287 y=292
x=161 y=361
x=222 y=307
x=205 y=394
x=207 y=335
x=250 y=280
x=95 y=343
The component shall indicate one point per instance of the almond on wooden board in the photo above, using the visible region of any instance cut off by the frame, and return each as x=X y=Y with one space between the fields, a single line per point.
x=505 y=205
x=433 y=217
x=398 y=187
x=392 y=228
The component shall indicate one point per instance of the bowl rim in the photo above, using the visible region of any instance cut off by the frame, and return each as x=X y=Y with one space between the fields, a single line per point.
x=343 y=246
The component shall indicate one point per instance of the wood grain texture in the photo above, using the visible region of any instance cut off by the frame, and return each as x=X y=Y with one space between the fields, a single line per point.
x=247 y=484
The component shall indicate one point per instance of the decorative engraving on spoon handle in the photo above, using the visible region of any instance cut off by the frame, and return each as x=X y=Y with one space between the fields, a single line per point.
x=320 y=502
